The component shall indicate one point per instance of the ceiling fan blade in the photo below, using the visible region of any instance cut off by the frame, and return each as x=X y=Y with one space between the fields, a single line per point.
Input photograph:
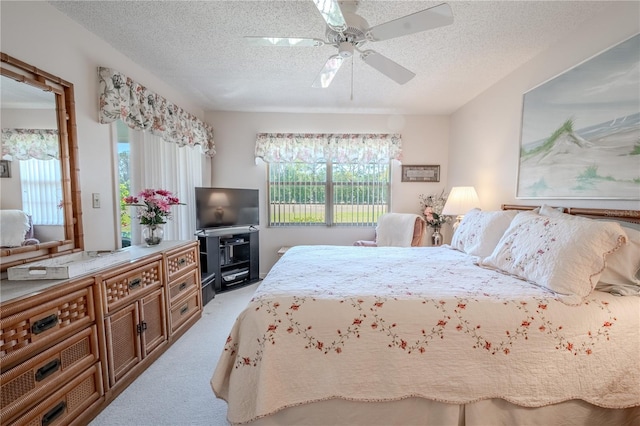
x=332 y=14
x=434 y=17
x=386 y=66
x=331 y=67
x=283 y=41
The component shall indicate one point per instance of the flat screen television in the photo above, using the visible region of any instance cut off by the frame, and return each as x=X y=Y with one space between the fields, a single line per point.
x=226 y=207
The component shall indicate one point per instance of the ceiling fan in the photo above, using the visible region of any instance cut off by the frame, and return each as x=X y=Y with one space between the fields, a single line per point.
x=348 y=32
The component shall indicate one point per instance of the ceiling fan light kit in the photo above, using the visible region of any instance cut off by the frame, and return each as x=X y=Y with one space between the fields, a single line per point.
x=348 y=31
x=345 y=49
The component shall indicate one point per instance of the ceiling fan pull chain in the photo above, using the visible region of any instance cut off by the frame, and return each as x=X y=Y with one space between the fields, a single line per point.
x=352 y=78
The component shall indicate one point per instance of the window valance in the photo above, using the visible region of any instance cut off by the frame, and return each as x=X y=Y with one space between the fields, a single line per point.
x=24 y=144
x=142 y=109
x=338 y=148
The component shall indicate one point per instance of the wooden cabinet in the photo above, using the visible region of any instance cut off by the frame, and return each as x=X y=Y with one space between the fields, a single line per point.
x=183 y=289
x=70 y=347
x=71 y=402
x=134 y=332
x=48 y=341
x=134 y=315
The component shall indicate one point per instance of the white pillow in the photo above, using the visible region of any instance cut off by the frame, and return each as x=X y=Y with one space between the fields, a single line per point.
x=622 y=273
x=563 y=255
x=546 y=210
x=479 y=232
x=14 y=225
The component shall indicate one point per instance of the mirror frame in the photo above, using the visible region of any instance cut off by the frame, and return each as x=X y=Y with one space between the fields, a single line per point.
x=72 y=205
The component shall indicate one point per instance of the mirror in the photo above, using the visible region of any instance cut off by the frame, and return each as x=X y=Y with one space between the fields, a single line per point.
x=38 y=108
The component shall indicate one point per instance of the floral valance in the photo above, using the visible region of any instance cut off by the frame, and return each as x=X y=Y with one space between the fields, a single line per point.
x=24 y=144
x=338 y=148
x=142 y=109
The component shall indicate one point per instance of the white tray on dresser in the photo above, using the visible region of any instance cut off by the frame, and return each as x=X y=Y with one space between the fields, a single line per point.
x=67 y=266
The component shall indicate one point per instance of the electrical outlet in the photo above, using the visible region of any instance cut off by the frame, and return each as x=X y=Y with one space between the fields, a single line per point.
x=95 y=197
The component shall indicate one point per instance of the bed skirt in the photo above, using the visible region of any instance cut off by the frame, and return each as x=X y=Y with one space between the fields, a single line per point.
x=418 y=411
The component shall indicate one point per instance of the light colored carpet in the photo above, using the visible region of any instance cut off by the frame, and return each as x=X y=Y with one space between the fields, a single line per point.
x=175 y=389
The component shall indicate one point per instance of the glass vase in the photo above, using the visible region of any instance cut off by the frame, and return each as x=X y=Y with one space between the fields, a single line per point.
x=436 y=237
x=152 y=234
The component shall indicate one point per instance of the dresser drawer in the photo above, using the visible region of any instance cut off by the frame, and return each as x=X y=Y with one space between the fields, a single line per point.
x=182 y=260
x=41 y=375
x=125 y=287
x=186 y=309
x=25 y=333
x=68 y=402
x=183 y=285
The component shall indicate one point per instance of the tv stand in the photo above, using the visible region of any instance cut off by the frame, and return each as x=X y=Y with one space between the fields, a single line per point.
x=229 y=259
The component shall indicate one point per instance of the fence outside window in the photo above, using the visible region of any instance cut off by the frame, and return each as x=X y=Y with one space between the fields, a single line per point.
x=329 y=194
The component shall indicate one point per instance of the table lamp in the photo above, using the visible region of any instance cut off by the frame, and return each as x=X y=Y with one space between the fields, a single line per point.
x=461 y=199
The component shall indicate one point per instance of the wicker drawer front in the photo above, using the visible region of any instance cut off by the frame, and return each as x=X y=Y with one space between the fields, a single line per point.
x=183 y=285
x=39 y=376
x=26 y=332
x=124 y=288
x=179 y=262
x=68 y=402
x=184 y=310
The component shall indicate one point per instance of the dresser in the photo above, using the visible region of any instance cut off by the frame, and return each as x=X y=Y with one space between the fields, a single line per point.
x=69 y=347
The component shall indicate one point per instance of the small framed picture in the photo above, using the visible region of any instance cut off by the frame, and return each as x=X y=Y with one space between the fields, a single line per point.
x=427 y=173
x=5 y=169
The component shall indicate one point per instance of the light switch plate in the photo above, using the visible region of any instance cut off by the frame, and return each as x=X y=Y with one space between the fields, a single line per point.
x=95 y=198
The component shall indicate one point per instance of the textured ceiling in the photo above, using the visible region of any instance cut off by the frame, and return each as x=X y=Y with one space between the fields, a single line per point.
x=197 y=48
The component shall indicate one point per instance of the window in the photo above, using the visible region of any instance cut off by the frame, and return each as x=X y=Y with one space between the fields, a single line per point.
x=147 y=161
x=37 y=151
x=124 y=181
x=41 y=182
x=327 y=179
x=327 y=193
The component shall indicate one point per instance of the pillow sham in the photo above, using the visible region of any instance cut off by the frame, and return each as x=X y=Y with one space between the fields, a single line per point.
x=546 y=210
x=562 y=255
x=621 y=275
x=479 y=232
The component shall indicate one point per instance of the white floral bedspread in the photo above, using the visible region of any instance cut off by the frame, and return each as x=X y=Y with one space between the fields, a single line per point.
x=385 y=323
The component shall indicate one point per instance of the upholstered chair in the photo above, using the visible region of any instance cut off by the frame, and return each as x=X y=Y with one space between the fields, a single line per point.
x=397 y=229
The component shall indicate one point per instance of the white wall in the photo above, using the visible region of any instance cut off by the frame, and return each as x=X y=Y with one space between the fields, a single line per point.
x=485 y=133
x=424 y=141
x=39 y=34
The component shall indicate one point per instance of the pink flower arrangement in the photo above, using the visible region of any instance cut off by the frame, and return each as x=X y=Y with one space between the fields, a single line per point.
x=432 y=206
x=154 y=205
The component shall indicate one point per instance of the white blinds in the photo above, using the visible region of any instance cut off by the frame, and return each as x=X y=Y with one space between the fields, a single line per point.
x=41 y=183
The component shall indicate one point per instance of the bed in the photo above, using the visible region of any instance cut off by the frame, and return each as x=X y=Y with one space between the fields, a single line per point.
x=453 y=335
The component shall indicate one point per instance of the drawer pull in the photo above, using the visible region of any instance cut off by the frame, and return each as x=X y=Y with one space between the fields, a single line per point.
x=182 y=261
x=54 y=413
x=182 y=286
x=135 y=283
x=142 y=327
x=47 y=370
x=44 y=324
x=184 y=309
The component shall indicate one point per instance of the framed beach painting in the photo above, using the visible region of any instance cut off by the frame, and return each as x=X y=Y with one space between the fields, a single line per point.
x=580 y=135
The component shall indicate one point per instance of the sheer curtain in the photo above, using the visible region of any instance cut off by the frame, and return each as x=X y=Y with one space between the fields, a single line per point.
x=41 y=182
x=157 y=164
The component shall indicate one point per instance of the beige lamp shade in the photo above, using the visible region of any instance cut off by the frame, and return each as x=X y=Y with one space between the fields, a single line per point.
x=461 y=199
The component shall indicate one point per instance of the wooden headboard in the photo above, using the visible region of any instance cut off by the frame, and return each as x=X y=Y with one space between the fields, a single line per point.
x=631 y=216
